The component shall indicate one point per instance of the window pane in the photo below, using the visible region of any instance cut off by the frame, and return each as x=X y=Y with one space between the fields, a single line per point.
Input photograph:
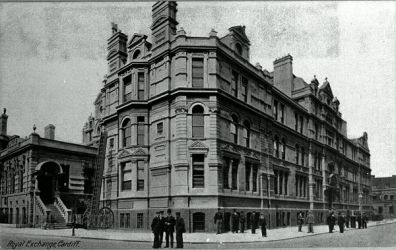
x=198 y=171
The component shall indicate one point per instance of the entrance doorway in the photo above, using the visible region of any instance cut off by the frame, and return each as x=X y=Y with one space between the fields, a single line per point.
x=48 y=181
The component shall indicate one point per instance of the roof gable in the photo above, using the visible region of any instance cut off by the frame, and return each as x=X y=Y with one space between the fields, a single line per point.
x=326 y=89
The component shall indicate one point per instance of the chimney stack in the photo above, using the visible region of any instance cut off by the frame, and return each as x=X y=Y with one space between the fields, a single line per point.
x=283 y=74
x=49 y=132
x=3 y=122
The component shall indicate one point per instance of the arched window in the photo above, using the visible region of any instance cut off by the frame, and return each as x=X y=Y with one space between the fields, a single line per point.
x=238 y=48
x=136 y=54
x=283 y=148
x=246 y=133
x=234 y=129
x=126 y=133
x=198 y=122
x=297 y=153
x=198 y=222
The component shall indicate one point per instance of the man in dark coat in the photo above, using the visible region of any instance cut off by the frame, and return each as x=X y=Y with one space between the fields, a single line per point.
x=364 y=220
x=331 y=220
x=359 y=220
x=235 y=221
x=347 y=219
x=242 y=220
x=263 y=224
x=341 y=222
x=180 y=229
x=162 y=227
x=253 y=221
x=300 y=221
x=218 y=220
x=155 y=228
x=169 y=228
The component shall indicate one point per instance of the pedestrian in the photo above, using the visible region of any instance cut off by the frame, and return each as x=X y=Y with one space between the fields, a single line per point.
x=359 y=220
x=235 y=221
x=218 y=220
x=347 y=219
x=310 y=221
x=242 y=220
x=155 y=228
x=180 y=229
x=364 y=220
x=341 y=222
x=300 y=221
x=353 y=221
x=161 y=227
x=263 y=224
x=253 y=221
x=331 y=220
x=169 y=228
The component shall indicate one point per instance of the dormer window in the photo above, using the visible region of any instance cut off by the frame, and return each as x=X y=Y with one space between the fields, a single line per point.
x=136 y=54
x=238 y=48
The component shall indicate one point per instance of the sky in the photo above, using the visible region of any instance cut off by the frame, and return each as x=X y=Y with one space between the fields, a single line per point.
x=52 y=57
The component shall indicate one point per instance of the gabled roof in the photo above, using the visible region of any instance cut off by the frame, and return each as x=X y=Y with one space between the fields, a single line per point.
x=326 y=88
x=240 y=31
x=136 y=38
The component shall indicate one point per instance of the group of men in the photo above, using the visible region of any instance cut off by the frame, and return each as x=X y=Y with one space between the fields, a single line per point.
x=238 y=220
x=343 y=221
x=161 y=224
x=310 y=221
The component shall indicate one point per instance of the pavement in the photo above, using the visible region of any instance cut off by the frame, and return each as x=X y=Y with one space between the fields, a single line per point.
x=132 y=236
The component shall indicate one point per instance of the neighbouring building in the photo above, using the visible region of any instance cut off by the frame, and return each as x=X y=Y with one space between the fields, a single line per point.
x=194 y=126
x=42 y=179
x=384 y=196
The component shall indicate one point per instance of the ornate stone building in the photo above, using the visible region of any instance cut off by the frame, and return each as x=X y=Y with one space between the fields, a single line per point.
x=193 y=125
x=42 y=179
x=384 y=196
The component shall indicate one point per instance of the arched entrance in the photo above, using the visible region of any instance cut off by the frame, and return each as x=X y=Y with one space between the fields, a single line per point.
x=48 y=180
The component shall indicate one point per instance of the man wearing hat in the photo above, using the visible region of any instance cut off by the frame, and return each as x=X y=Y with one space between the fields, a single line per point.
x=180 y=229
x=169 y=228
x=155 y=228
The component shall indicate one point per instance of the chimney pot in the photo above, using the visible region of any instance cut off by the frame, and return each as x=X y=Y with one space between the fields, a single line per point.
x=49 y=132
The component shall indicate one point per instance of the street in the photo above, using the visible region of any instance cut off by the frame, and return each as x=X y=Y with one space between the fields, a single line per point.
x=378 y=236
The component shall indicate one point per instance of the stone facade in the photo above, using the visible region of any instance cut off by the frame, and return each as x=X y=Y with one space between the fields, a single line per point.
x=384 y=196
x=194 y=126
x=42 y=178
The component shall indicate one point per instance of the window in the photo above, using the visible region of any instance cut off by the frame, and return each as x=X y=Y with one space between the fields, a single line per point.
x=111 y=143
x=141 y=86
x=302 y=156
x=276 y=147
x=140 y=175
x=301 y=124
x=122 y=218
x=282 y=113
x=234 y=129
x=244 y=89
x=226 y=170
x=234 y=84
x=247 y=175
x=21 y=181
x=391 y=209
x=197 y=73
x=316 y=131
x=139 y=220
x=296 y=121
x=198 y=171
x=297 y=154
x=126 y=133
x=276 y=181
x=136 y=54
x=283 y=149
x=128 y=220
x=127 y=88
x=140 y=130
x=254 y=182
x=234 y=174
x=198 y=222
x=238 y=48
x=246 y=133
x=286 y=179
x=380 y=210
x=276 y=110
x=198 y=122
x=160 y=128
x=126 y=176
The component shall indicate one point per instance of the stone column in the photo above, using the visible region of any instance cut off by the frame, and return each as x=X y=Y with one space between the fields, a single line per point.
x=311 y=181
x=323 y=165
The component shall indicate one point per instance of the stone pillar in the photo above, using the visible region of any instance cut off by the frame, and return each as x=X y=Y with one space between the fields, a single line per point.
x=311 y=181
x=323 y=165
